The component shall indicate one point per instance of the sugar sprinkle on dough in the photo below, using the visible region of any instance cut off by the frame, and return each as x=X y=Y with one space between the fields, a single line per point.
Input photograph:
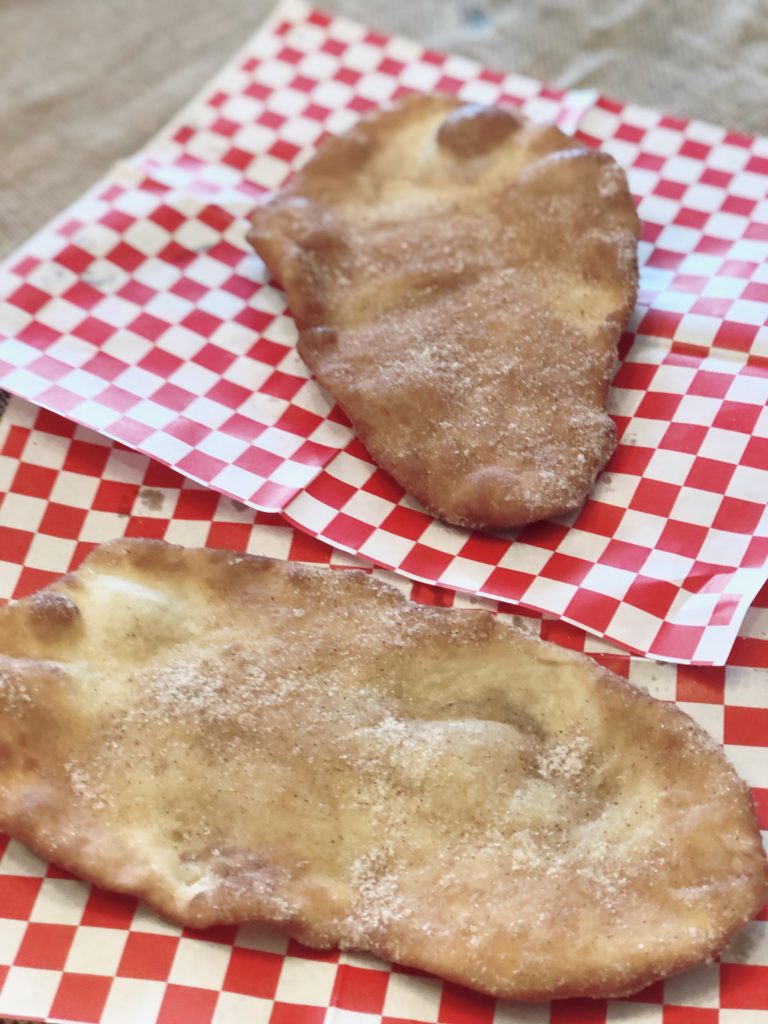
x=238 y=739
x=460 y=279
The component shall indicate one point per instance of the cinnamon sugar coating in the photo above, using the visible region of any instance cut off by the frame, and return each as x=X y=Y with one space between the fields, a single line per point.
x=460 y=279
x=237 y=739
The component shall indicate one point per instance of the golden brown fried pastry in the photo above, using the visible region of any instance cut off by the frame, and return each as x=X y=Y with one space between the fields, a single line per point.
x=238 y=739
x=460 y=279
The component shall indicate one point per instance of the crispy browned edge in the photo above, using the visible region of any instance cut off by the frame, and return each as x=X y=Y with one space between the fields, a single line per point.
x=161 y=556
x=351 y=147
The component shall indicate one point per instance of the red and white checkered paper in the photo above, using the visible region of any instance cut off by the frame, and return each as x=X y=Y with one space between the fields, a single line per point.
x=70 y=952
x=142 y=313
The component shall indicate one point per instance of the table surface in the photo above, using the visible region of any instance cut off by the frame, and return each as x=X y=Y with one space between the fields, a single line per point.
x=73 y=101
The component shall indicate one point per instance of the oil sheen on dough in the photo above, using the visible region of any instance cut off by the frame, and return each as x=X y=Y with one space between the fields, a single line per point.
x=236 y=739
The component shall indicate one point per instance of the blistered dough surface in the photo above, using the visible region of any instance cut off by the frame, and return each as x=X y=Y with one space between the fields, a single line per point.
x=237 y=739
x=460 y=279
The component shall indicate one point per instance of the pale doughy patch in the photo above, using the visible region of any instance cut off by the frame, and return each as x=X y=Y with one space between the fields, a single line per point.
x=460 y=279
x=237 y=739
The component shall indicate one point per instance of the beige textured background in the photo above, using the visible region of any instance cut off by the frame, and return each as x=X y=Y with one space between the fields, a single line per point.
x=83 y=82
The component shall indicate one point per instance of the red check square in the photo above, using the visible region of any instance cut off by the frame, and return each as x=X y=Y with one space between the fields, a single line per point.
x=682 y=538
x=360 y=989
x=690 y=1015
x=701 y=684
x=147 y=956
x=17 y=896
x=746 y=726
x=425 y=562
x=652 y=596
x=566 y=568
x=63 y=521
x=35 y=481
x=598 y=607
x=658 y=406
x=508 y=583
x=291 y=1013
x=252 y=972
x=684 y=437
x=599 y=517
x=459 y=1006
x=348 y=532
x=187 y=1005
x=578 y=1011
x=406 y=522
x=45 y=946
x=86 y=459
x=743 y=986
x=684 y=639
x=14 y=544
x=81 y=997
x=108 y=909
x=736 y=337
x=655 y=497
x=737 y=416
x=738 y=516
x=710 y=475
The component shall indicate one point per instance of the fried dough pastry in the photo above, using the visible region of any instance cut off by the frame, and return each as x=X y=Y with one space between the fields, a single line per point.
x=237 y=739
x=460 y=279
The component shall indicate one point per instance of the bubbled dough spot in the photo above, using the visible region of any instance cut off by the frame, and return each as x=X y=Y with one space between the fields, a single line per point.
x=460 y=279
x=237 y=739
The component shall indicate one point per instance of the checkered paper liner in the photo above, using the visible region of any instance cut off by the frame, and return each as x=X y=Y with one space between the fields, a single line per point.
x=71 y=952
x=141 y=313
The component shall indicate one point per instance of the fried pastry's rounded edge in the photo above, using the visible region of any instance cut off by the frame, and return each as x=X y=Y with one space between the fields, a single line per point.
x=481 y=516
x=621 y=984
x=475 y=515
x=615 y=988
x=466 y=515
x=153 y=553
